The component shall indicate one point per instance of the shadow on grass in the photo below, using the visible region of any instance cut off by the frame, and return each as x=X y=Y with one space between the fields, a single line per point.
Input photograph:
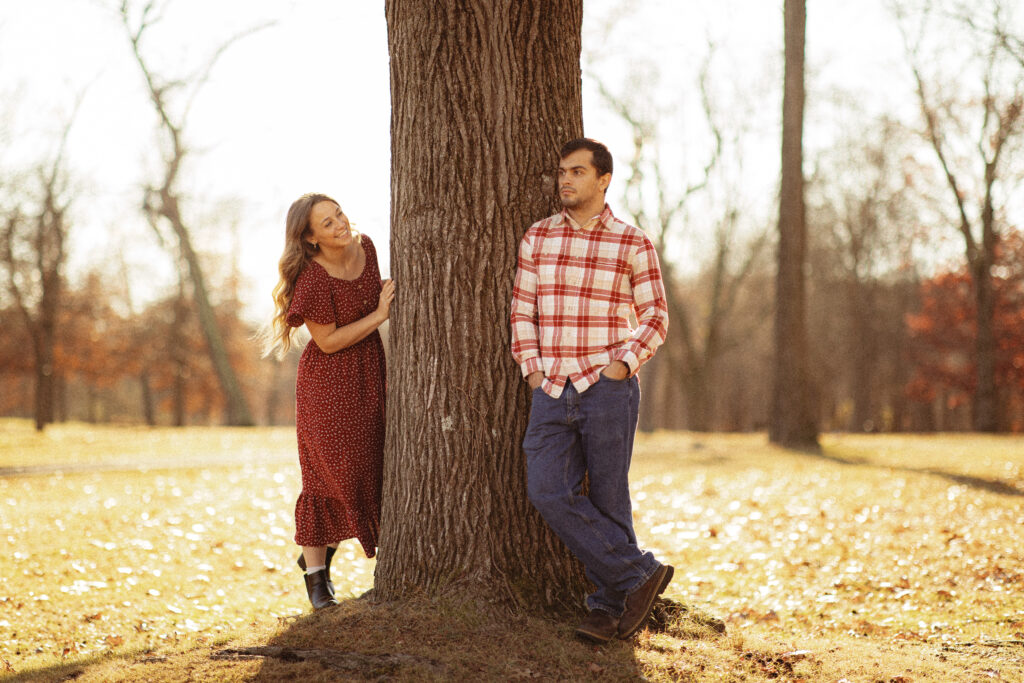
x=69 y=671
x=57 y=672
x=981 y=483
x=443 y=639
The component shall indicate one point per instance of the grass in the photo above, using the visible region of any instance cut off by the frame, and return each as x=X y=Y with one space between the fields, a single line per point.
x=166 y=554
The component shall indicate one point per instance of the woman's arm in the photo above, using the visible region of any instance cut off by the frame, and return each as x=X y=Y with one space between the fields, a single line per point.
x=331 y=338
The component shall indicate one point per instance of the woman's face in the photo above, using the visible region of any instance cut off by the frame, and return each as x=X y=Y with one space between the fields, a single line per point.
x=328 y=226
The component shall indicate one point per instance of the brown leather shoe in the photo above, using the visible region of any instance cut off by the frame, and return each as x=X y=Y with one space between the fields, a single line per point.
x=316 y=589
x=327 y=561
x=598 y=626
x=640 y=601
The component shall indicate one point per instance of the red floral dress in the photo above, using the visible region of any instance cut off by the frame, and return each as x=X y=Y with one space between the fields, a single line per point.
x=339 y=411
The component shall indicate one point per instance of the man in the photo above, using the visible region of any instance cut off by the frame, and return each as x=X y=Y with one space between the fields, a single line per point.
x=581 y=273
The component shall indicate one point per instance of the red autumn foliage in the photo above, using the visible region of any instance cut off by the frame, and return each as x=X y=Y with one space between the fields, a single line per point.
x=942 y=334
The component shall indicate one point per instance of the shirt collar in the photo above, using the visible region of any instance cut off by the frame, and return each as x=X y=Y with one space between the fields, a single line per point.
x=597 y=222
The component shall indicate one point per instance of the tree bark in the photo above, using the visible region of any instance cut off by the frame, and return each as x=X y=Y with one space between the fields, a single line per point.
x=791 y=422
x=483 y=95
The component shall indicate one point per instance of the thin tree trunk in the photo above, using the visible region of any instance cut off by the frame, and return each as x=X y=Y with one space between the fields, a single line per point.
x=273 y=393
x=984 y=409
x=652 y=377
x=862 y=356
x=791 y=422
x=44 y=388
x=985 y=413
x=483 y=94
x=179 y=360
x=698 y=400
x=148 y=410
x=236 y=406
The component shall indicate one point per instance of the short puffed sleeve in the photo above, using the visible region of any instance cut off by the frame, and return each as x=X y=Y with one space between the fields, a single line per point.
x=312 y=298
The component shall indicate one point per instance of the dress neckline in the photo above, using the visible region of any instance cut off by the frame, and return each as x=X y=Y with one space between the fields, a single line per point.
x=366 y=261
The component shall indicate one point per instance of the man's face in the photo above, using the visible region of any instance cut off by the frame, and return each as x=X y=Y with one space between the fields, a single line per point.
x=578 y=182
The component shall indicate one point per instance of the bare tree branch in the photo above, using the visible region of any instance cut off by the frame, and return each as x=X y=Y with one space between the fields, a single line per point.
x=204 y=73
x=933 y=133
x=164 y=202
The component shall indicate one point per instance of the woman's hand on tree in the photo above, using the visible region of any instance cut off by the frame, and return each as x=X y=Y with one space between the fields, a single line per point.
x=387 y=295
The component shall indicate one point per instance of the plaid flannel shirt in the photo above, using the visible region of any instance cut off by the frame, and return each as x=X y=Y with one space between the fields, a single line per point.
x=574 y=292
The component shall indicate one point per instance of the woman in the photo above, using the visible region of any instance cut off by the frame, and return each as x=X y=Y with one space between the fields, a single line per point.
x=330 y=282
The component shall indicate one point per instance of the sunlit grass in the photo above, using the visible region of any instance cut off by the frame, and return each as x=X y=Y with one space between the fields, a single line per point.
x=146 y=447
x=163 y=559
x=882 y=557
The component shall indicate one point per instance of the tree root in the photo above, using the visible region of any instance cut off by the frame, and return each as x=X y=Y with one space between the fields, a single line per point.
x=985 y=643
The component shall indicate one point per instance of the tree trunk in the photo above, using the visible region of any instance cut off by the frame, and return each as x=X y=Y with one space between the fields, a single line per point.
x=44 y=386
x=791 y=422
x=483 y=94
x=179 y=358
x=49 y=258
x=652 y=379
x=862 y=356
x=273 y=393
x=984 y=410
x=235 y=405
x=698 y=399
x=985 y=413
x=146 y=389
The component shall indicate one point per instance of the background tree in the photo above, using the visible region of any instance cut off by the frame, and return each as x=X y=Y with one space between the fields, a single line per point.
x=16 y=367
x=481 y=104
x=700 y=308
x=792 y=421
x=163 y=203
x=971 y=123
x=943 y=338
x=863 y=230
x=33 y=235
x=87 y=352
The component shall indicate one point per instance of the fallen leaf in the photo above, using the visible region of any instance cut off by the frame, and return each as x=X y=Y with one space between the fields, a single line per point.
x=796 y=655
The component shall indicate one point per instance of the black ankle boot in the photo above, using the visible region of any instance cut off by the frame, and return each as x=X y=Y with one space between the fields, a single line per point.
x=316 y=588
x=327 y=561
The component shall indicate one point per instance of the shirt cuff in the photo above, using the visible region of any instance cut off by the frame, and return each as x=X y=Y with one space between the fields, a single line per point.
x=629 y=358
x=531 y=365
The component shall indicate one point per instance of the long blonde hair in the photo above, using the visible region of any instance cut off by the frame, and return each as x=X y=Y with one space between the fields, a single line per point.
x=298 y=252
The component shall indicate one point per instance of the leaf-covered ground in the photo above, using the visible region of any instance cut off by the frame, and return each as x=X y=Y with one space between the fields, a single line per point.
x=164 y=554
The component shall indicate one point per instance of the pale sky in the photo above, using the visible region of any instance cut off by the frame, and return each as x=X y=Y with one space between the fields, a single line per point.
x=304 y=105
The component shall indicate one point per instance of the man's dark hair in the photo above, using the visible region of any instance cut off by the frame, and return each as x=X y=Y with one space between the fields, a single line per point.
x=602 y=157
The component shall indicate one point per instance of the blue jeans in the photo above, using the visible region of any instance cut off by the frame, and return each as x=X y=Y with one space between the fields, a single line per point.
x=590 y=432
